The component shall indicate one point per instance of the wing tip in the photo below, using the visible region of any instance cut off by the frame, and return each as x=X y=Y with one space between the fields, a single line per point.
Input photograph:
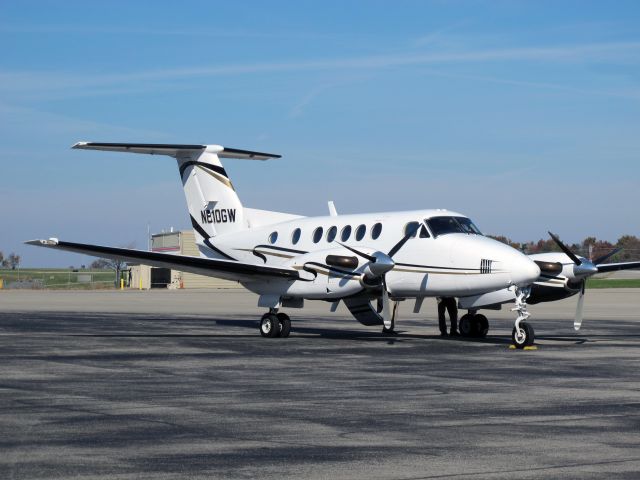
x=40 y=242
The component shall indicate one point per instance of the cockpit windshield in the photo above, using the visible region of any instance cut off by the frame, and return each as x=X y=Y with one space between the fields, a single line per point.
x=443 y=225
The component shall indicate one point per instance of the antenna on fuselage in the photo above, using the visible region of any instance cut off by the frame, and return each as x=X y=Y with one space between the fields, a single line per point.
x=332 y=209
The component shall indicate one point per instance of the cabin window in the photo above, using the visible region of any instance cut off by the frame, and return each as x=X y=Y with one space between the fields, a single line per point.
x=376 y=231
x=346 y=233
x=331 y=234
x=360 y=231
x=424 y=233
x=317 y=234
x=295 y=236
x=411 y=227
x=273 y=237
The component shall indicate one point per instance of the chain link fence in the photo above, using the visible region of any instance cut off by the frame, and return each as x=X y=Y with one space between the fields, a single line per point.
x=57 y=279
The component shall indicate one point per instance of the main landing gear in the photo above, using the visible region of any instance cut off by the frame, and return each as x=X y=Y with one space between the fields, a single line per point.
x=473 y=325
x=275 y=324
x=522 y=335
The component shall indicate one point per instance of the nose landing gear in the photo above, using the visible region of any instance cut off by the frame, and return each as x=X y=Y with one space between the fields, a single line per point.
x=522 y=334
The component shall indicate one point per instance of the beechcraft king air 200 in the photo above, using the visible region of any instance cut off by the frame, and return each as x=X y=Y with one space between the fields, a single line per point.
x=357 y=259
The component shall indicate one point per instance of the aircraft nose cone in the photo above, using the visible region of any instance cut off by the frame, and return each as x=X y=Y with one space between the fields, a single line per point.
x=525 y=271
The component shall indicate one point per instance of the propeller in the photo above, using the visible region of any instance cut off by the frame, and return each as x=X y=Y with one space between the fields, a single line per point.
x=582 y=269
x=379 y=264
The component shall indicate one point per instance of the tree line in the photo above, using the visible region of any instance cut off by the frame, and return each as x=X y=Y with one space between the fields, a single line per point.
x=12 y=261
x=590 y=247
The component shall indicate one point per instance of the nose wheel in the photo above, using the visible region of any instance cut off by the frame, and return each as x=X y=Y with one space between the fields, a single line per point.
x=274 y=325
x=523 y=337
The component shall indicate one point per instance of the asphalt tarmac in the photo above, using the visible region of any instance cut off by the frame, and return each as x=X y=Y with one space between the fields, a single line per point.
x=179 y=384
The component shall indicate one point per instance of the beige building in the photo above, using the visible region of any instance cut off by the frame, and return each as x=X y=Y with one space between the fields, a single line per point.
x=181 y=243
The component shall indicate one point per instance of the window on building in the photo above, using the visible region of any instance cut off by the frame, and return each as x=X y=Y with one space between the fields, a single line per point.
x=360 y=231
x=317 y=234
x=295 y=236
x=346 y=233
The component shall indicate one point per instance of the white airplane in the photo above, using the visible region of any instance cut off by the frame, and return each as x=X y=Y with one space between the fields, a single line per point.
x=562 y=275
x=287 y=259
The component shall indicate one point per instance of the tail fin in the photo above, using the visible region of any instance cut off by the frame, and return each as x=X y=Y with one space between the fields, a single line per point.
x=214 y=206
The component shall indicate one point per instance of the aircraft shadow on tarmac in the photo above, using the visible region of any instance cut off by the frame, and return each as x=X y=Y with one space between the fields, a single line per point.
x=299 y=330
x=376 y=336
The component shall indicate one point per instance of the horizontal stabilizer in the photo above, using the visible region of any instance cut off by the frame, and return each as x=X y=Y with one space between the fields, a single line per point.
x=174 y=150
x=228 y=269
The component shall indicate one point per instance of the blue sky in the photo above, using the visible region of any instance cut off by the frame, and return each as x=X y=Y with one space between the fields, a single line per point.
x=523 y=115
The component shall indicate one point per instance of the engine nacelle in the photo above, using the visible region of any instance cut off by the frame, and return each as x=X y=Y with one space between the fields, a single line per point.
x=546 y=292
x=326 y=274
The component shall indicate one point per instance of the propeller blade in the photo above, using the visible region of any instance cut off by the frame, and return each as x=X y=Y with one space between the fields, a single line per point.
x=602 y=258
x=386 y=307
x=410 y=233
x=357 y=252
x=565 y=249
x=577 y=321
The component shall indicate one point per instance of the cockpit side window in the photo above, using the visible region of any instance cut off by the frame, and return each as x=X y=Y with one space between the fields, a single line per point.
x=468 y=226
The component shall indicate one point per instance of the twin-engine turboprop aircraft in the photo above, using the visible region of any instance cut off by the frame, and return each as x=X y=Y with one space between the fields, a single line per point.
x=287 y=259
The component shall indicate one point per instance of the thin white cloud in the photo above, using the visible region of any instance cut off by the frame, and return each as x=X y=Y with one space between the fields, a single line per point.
x=621 y=52
x=633 y=94
x=213 y=32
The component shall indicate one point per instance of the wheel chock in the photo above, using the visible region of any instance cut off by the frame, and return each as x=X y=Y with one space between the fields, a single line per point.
x=532 y=347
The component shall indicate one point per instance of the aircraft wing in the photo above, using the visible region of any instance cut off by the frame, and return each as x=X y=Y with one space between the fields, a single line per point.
x=612 y=267
x=227 y=269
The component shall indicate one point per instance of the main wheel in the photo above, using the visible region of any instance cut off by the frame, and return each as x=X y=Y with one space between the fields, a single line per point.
x=269 y=325
x=524 y=338
x=465 y=325
x=284 y=323
x=482 y=325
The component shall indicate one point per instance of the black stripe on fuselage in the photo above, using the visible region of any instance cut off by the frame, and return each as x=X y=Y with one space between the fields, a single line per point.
x=432 y=266
x=196 y=226
x=282 y=249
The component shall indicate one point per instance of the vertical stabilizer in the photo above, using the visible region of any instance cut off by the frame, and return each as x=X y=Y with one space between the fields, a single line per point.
x=214 y=206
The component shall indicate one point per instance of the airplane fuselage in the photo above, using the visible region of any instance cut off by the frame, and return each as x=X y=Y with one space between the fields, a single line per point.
x=431 y=263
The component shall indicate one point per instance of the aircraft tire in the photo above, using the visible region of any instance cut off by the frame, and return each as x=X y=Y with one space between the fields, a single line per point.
x=481 y=325
x=284 y=323
x=466 y=325
x=269 y=326
x=528 y=338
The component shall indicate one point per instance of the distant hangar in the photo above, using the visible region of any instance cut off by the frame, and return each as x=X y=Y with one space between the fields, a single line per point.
x=176 y=242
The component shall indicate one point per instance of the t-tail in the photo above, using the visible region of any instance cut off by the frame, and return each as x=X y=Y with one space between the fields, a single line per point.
x=213 y=203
